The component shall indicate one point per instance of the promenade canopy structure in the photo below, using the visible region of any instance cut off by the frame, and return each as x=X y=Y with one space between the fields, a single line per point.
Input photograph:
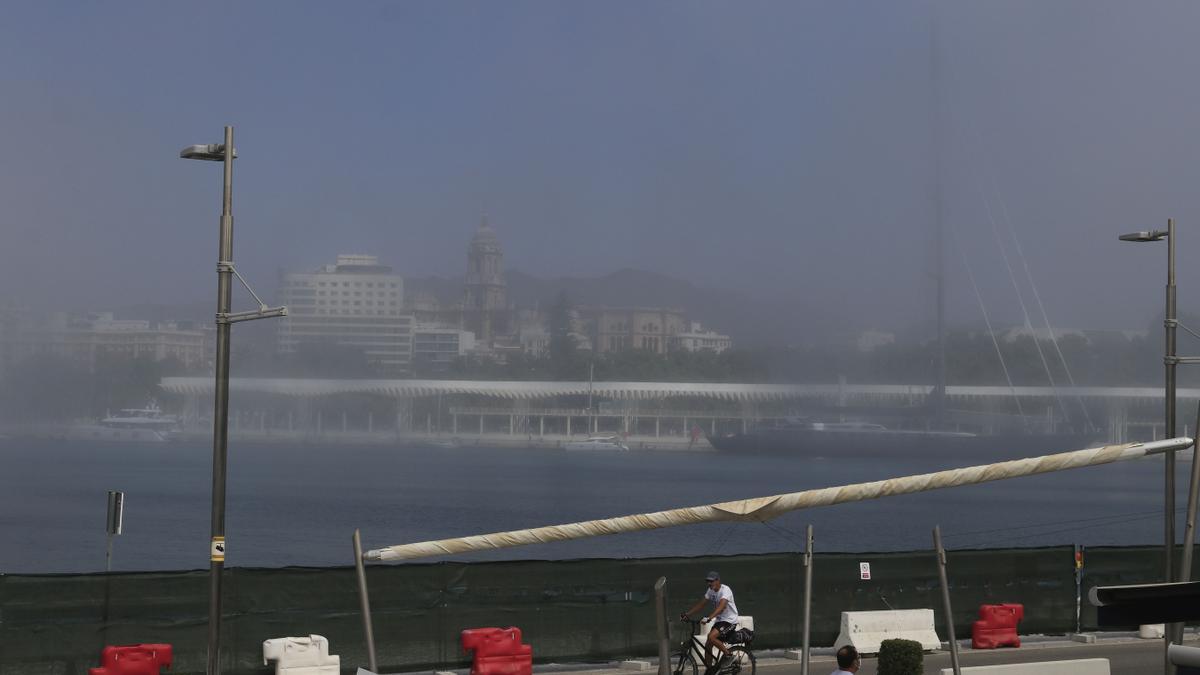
x=747 y=392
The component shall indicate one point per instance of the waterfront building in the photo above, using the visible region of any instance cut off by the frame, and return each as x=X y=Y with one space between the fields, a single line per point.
x=535 y=339
x=356 y=302
x=89 y=338
x=436 y=348
x=697 y=339
x=612 y=329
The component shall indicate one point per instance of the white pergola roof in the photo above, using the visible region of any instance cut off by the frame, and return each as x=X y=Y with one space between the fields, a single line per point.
x=311 y=387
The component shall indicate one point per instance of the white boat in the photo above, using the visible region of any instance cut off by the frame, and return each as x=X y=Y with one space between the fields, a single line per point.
x=596 y=443
x=141 y=425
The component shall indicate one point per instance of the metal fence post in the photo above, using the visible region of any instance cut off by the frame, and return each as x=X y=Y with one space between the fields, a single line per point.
x=808 y=569
x=941 y=558
x=364 y=602
x=664 y=628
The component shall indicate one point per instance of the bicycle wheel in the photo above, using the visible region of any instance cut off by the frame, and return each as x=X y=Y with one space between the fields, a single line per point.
x=683 y=662
x=743 y=660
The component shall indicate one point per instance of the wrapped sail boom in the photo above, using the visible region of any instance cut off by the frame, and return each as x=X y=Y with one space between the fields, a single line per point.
x=759 y=509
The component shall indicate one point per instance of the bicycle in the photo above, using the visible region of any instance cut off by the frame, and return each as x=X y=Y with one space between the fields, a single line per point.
x=691 y=651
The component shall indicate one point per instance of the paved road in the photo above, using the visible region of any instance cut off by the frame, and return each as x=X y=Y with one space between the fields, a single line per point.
x=1126 y=656
x=1140 y=657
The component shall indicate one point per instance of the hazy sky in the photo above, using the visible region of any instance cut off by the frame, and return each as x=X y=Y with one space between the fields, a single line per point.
x=787 y=148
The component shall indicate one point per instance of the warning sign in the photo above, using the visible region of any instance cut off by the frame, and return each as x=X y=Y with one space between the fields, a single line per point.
x=864 y=571
x=218 y=549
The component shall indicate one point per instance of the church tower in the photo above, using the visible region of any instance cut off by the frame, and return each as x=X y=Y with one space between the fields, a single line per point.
x=485 y=301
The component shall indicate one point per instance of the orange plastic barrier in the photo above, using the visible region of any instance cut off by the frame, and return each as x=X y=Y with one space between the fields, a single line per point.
x=498 y=651
x=147 y=659
x=997 y=626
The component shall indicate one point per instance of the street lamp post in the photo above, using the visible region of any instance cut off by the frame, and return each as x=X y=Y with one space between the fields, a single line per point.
x=224 y=153
x=1170 y=360
x=1170 y=321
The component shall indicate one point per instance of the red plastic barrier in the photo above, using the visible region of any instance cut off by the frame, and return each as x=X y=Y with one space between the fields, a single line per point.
x=498 y=651
x=997 y=626
x=146 y=659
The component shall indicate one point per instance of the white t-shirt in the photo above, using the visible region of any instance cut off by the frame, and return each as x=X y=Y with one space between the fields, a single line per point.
x=730 y=612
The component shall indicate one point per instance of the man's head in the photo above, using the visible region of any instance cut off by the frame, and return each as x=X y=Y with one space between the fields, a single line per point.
x=847 y=658
x=713 y=580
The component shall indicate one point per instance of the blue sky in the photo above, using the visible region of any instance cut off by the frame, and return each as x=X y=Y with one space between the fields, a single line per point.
x=782 y=148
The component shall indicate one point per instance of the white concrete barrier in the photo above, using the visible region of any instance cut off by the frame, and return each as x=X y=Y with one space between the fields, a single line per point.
x=866 y=630
x=301 y=656
x=1069 y=667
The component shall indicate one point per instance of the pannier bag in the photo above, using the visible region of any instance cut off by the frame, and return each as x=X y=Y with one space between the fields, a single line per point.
x=742 y=636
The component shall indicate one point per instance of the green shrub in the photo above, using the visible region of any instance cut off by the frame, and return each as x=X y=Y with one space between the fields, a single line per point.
x=900 y=657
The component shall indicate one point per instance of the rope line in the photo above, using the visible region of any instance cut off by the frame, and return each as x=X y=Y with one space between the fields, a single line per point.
x=988 y=322
x=1038 y=297
x=1052 y=523
x=1069 y=529
x=987 y=205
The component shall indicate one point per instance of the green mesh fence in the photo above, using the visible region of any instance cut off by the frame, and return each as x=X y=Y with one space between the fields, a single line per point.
x=578 y=610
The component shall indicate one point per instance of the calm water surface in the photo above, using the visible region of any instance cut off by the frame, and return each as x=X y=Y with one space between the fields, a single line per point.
x=299 y=504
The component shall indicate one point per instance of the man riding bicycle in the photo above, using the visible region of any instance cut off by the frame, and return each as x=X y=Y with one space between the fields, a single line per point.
x=725 y=613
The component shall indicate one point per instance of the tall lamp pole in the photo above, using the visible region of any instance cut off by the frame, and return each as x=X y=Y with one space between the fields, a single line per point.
x=1170 y=360
x=1170 y=321
x=224 y=153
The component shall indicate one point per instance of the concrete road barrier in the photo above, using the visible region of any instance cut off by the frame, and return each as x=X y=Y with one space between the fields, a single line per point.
x=867 y=630
x=301 y=656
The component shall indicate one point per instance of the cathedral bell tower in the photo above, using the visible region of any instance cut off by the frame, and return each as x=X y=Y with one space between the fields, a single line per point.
x=485 y=294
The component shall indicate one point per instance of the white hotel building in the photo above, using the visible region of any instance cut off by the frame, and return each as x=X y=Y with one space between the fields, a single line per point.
x=355 y=302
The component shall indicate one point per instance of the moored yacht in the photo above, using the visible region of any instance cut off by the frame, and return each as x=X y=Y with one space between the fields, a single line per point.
x=597 y=443
x=141 y=425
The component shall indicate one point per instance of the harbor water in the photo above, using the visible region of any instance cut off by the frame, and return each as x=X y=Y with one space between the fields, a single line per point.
x=298 y=504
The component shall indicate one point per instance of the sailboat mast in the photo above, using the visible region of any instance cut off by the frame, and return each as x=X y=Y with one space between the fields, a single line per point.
x=939 y=390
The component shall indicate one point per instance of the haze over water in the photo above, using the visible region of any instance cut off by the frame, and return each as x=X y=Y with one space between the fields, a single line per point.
x=299 y=505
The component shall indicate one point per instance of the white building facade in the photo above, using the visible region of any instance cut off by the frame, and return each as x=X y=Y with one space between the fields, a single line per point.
x=436 y=348
x=697 y=339
x=89 y=338
x=355 y=302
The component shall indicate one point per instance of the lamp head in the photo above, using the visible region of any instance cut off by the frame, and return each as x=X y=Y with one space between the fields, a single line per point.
x=1152 y=235
x=213 y=152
